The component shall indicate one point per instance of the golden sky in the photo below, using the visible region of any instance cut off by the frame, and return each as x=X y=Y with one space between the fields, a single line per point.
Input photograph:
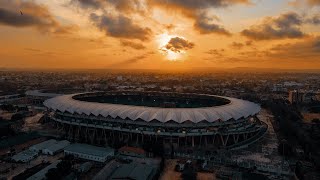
x=160 y=34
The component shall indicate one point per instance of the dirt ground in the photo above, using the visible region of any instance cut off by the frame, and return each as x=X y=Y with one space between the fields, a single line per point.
x=20 y=147
x=308 y=117
x=20 y=167
x=170 y=174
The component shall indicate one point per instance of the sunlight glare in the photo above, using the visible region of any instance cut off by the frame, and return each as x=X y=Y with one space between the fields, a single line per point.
x=163 y=40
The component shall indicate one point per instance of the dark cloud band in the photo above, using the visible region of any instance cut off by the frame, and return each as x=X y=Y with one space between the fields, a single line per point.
x=33 y=15
x=120 y=27
x=285 y=26
x=178 y=44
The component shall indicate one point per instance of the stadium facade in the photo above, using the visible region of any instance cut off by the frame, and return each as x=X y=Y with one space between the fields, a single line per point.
x=175 y=119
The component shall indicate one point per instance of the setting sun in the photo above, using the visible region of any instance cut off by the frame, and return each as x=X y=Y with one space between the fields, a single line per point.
x=173 y=46
x=163 y=40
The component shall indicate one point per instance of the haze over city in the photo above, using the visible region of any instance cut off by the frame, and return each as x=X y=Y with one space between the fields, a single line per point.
x=159 y=34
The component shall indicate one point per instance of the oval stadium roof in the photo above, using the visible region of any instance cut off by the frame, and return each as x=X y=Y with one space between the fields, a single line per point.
x=236 y=109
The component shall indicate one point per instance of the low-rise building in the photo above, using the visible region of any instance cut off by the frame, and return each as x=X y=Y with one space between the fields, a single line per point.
x=56 y=148
x=134 y=171
x=39 y=147
x=85 y=167
x=25 y=156
x=89 y=152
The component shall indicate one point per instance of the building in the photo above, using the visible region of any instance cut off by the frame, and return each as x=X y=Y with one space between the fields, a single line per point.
x=24 y=156
x=295 y=97
x=42 y=173
x=55 y=148
x=134 y=171
x=301 y=96
x=85 y=167
x=107 y=170
x=89 y=152
x=39 y=147
x=192 y=120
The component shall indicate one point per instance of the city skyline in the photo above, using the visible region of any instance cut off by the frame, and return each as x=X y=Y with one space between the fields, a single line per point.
x=159 y=34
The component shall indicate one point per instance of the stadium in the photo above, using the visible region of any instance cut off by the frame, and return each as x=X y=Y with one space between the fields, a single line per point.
x=176 y=120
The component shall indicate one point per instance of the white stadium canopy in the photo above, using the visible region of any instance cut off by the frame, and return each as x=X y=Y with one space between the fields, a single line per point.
x=236 y=109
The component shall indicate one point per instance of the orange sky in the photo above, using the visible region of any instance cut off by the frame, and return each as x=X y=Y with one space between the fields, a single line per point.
x=160 y=34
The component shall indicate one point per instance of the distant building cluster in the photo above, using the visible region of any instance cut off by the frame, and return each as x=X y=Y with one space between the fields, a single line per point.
x=302 y=96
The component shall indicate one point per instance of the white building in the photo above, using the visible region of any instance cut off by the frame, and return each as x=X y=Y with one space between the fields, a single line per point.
x=39 y=147
x=56 y=148
x=25 y=156
x=89 y=152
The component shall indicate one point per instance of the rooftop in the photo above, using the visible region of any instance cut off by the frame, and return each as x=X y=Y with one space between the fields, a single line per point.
x=24 y=155
x=89 y=149
x=43 y=145
x=135 y=171
x=236 y=109
x=58 y=145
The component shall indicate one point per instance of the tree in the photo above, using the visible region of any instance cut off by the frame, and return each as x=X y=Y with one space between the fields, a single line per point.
x=7 y=107
x=17 y=117
x=189 y=173
x=157 y=149
x=317 y=121
x=285 y=148
x=162 y=164
x=64 y=167
x=53 y=174
x=23 y=108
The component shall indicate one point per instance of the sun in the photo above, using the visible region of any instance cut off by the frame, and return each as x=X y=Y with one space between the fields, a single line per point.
x=162 y=41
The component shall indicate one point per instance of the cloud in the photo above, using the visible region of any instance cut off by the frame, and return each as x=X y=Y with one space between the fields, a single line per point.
x=215 y=52
x=236 y=45
x=204 y=25
x=314 y=2
x=315 y=19
x=133 y=45
x=10 y=18
x=284 y=26
x=34 y=15
x=133 y=60
x=197 y=10
x=239 y=45
x=309 y=48
x=127 y=6
x=96 y=4
x=39 y=52
x=120 y=27
x=178 y=44
x=169 y=27
x=308 y=2
x=203 y=4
